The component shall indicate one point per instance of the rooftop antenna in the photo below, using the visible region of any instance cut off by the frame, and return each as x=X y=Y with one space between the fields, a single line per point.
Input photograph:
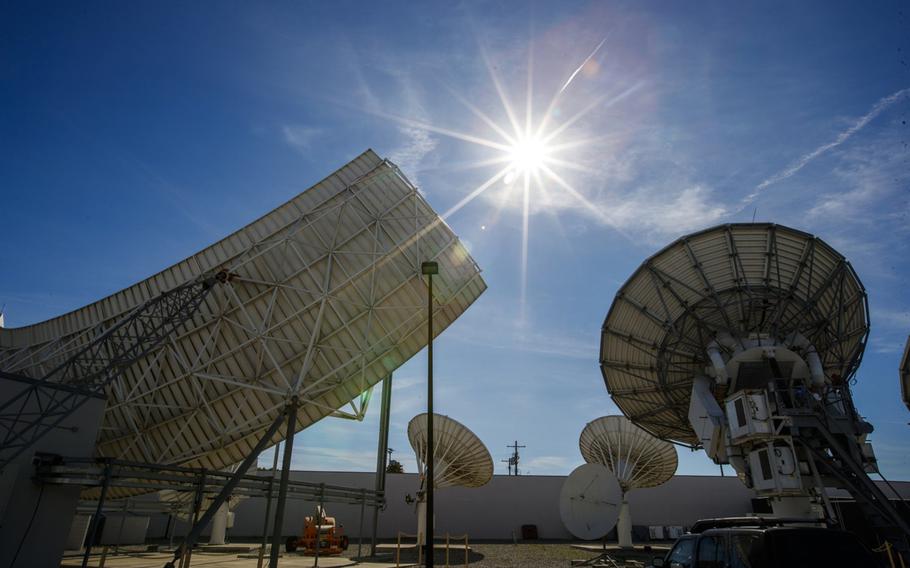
x=743 y=340
x=514 y=458
x=754 y=213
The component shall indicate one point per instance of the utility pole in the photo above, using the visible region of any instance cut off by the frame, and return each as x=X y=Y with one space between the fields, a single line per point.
x=514 y=459
x=429 y=269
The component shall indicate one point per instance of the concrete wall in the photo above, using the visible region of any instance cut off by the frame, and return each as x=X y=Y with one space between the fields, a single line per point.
x=496 y=510
x=499 y=508
x=35 y=520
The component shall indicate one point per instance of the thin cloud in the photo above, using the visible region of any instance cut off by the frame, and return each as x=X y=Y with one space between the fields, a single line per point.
x=803 y=161
x=301 y=138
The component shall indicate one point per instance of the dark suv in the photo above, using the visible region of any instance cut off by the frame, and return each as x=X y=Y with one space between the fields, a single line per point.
x=755 y=542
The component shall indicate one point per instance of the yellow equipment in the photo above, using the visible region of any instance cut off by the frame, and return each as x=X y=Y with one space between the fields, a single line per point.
x=319 y=530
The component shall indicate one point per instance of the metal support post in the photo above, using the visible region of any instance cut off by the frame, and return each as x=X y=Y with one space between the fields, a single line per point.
x=429 y=268
x=186 y=548
x=320 y=513
x=363 y=502
x=268 y=509
x=93 y=531
x=283 y=486
x=382 y=452
x=224 y=494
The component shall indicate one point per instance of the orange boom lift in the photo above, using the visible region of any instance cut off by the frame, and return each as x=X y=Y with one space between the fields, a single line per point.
x=322 y=531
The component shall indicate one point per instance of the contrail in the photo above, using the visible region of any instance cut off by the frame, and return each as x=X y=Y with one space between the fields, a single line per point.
x=802 y=162
x=583 y=63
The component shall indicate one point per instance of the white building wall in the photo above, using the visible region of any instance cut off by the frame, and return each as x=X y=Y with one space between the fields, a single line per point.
x=494 y=511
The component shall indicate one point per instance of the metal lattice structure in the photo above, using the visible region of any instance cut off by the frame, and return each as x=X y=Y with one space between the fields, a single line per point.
x=636 y=458
x=106 y=352
x=741 y=280
x=324 y=299
x=459 y=457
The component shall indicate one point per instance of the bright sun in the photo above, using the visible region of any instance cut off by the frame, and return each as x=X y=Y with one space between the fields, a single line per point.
x=528 y=154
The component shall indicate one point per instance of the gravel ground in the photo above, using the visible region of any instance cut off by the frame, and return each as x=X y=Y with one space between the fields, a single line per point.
x=482 y=555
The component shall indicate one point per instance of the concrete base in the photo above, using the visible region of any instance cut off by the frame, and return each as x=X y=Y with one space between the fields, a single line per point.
x=228 y=548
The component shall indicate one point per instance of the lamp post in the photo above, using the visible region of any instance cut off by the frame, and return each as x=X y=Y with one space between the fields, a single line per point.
x=429 y=269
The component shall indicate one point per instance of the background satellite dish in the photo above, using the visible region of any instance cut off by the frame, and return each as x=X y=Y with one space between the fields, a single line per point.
x=636 y=458
x=460 y=458
x=905 y=374
x=589 y=501
x=739 y=279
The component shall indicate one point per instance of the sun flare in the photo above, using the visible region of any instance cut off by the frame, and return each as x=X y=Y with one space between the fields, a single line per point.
x=528 y=155
x=531 y=153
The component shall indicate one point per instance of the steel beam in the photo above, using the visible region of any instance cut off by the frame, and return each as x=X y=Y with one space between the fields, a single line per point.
x=283 y=486
x=225 y=492
x=382 y=452
x=96 y=518
x=268 y=509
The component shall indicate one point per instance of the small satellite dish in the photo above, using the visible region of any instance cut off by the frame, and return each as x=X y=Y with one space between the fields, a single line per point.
x=636 y=458
x=589 y=501
x=459 y=457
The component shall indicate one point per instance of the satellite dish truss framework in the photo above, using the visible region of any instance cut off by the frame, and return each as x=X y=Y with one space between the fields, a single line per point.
x=324 y=298
x=636 y=458
x=743 y=340
x=460 y=459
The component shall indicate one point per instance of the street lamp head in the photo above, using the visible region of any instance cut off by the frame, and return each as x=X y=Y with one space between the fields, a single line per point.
x=429 y=267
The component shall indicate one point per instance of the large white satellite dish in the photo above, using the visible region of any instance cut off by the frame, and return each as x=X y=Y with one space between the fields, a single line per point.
x=740 y=280
x=636 y=458
x=324 y=298
x=460 y=458
x=589 y=501
x=743 y=340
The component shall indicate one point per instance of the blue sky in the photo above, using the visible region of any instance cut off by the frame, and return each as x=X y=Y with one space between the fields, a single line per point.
x=132 y=135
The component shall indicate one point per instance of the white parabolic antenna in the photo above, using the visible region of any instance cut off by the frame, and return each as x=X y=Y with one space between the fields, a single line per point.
x=323 y=298
x=727 y=284
x=459 y=457
x=589 y=501
x=636 y=458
